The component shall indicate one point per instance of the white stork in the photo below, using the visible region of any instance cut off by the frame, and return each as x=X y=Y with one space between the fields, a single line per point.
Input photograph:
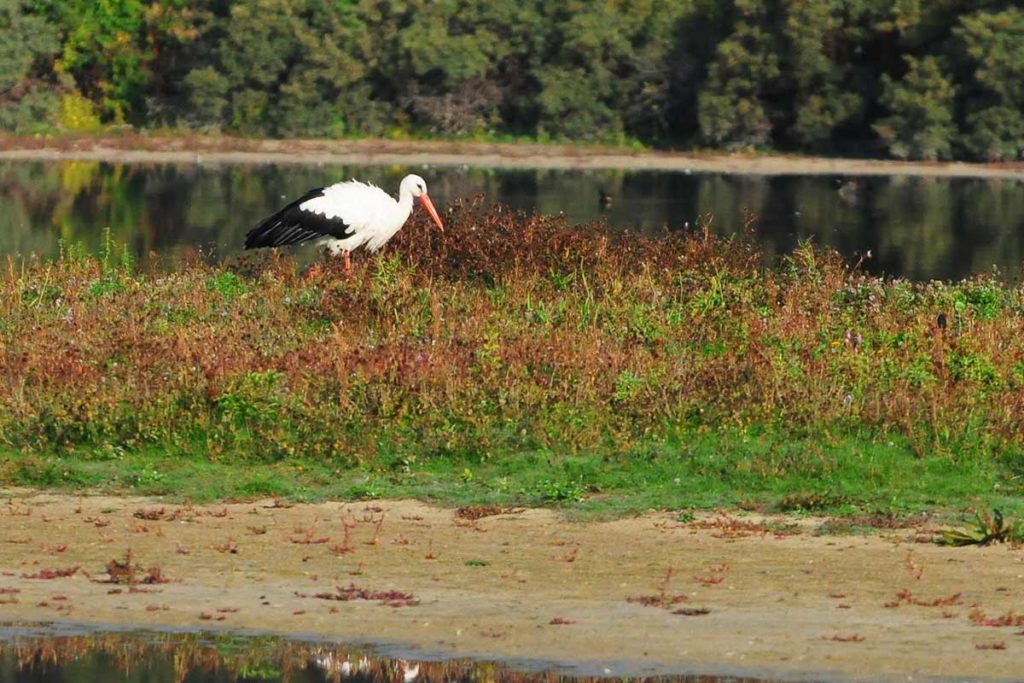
x=343 y=216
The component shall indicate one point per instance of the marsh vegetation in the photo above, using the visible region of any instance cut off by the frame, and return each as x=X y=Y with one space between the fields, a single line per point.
x=516 y=359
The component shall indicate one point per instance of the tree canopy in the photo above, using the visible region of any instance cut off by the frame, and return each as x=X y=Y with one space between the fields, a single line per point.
x=926 y=79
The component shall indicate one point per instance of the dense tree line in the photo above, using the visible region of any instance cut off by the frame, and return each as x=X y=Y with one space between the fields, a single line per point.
x=930 y=79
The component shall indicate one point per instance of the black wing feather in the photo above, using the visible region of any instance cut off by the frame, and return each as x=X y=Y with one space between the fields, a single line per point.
x=292 y=225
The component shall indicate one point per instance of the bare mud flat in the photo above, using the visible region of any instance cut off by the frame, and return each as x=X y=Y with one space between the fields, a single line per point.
x=719 y=594
x=141 y=148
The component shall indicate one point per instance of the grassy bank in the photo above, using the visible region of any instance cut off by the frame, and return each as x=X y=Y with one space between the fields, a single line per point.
x=516 y=359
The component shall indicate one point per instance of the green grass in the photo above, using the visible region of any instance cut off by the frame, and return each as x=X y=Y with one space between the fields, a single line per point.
x=516 y=360
x=848 y=474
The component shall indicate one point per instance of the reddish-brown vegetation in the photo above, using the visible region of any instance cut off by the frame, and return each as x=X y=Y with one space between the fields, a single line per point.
x=905 y=597
x=581 y=300
x=662 y=598
x=53 y=573
x=507 y=333
x=391 y=598
x=475 y=512
x=130 y=573
x=1011 y=618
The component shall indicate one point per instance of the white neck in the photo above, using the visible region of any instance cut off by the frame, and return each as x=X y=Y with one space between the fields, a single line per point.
x=405 y=203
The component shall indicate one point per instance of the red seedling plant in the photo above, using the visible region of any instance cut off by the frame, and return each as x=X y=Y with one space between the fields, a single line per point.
x=390 y=598
x=662 y=598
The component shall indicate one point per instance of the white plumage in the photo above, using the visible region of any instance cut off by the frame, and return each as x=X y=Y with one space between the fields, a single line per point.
x=368 y=210
x=343 y=216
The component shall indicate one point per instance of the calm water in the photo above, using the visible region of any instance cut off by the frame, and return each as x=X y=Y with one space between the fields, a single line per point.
x=919 y=228
x=212 y=658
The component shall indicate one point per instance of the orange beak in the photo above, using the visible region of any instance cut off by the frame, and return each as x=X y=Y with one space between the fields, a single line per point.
x=429 y=206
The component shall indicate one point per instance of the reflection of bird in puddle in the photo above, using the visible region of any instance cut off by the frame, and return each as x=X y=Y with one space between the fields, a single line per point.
x=328 y=663
x=849 y=191
x=334 y=667
x=409 y=671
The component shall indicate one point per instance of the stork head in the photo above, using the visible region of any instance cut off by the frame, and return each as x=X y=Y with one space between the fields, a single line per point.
x=417 y=187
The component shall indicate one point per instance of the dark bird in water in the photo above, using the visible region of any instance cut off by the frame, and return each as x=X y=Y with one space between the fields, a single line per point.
x=849 y=191
x=604 y=199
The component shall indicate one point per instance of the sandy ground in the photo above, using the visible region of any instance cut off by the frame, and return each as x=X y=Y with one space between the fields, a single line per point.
x=138 y=148
x=741 y=597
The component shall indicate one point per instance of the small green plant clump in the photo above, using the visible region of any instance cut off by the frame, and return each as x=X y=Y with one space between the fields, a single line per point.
x=986 y=528
x=515 y=359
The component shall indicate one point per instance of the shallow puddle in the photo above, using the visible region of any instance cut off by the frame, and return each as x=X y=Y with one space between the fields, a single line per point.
x=61 y=654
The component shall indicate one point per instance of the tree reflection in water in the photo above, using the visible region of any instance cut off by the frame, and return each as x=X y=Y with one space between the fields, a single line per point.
x=916 y=227
x=212 y=658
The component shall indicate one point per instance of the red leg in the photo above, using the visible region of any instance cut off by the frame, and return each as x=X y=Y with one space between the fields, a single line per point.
x=348 y=262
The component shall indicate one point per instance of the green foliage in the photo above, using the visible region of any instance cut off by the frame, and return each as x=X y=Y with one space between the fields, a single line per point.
x=553 y=492
x=993 y=51
x=920 y=122
x=985 y=298
x=627 y=386
x=596 y=68
x=731 y=108
x=106 y=39
x=207 y=92
x=816 y=73
x=449 y=57
x=33 y=112
x=919 y=80
x=28 y=44
x=112 y=272
x=283 y=66
x=252 y=401
x=995 y=134
x=971 y=367
x=27 y=40
x=228 y=285
x=77 y=114
x=994 y=46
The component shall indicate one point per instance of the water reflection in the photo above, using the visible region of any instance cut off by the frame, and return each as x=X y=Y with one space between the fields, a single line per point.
x=210 y=658
x=920 y=228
